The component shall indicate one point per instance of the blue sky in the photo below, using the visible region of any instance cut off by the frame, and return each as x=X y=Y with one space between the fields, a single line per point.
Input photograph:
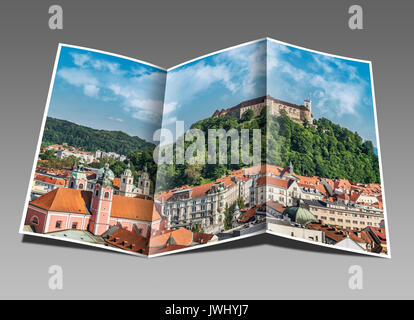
x=103 y=91
x=196 y=89
x=107 y=92
x=340 y=89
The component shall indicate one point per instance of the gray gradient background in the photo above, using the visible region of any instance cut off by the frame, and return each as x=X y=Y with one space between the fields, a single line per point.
x=168 y=33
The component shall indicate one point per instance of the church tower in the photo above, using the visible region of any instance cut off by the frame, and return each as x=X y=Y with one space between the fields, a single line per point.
x=101 y=202
x=127 y=183
x=144 y=182
x=78 y=178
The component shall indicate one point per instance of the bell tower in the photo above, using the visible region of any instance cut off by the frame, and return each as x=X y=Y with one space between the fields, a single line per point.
x=144 y=182
x=126 y=186
x=101 y=202
x=78 y=178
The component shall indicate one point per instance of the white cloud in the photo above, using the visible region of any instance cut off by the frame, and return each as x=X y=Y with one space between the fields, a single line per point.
x=91 y=90
x=81 y=78
x=333 y=84
x=77 y=77
x=80 y=59
x=138 y=91
x=147 y=116
x=116 y=119
x=85 y=61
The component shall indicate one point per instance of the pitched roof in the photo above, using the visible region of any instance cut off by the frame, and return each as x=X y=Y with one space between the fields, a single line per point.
x=134 y=208
x=247 y=215
x=127 y=240
x=276 y=206
x=50 y=180
x=182 y=237
x=77 y=201
x=65 y=200
x=273 y=182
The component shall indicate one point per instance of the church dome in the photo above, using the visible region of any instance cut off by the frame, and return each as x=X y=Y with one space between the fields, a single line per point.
x=128 y=171
x=300 y=214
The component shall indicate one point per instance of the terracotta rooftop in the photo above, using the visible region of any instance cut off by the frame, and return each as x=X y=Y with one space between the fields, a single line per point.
x=273 y=182
x=128 y=240
x=78 y=201
x=64 y=200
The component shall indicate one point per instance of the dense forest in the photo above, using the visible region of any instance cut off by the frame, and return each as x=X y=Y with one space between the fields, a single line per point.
x=324 y=149
x=61 y=131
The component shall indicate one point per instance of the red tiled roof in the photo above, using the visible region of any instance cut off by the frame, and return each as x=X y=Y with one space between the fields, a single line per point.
x=64 y=200
x=128 y=240
x=276 y=206
x=76 y=201
x=273 y=182
x=50 y=180
x=180 y=236
x=247 y=215
x=134 y=208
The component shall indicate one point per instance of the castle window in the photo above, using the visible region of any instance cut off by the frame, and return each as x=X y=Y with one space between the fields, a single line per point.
x=81 y=186
x=123 y=180
x=96 y=192
x=106 y=195
x=74 y=225
x=58 y=224
x=71 y=184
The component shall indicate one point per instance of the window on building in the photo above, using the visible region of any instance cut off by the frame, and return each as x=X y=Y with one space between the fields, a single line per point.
x=106 y=195
x=58 y=224
x=81 y=186
x=74 y=225
x=35 y=220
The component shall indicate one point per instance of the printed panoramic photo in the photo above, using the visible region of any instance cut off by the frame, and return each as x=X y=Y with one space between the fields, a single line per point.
x=260 y=137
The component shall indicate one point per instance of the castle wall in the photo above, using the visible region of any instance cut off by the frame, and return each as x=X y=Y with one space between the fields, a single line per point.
x=297 y=113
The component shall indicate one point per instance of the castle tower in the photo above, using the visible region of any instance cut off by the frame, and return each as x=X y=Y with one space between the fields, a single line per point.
x=144 y=182
x=308 y=104
x=101 y=202
x=127 y=183
x=308 y=116
x=78 y=178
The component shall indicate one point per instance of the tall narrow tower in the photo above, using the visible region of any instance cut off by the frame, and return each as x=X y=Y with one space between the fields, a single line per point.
x=308 y=113
x=101 y=202
x=126 y=186
x=144 y=182
x=78 y=178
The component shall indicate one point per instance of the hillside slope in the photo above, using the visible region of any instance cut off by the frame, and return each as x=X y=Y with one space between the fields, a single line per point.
x=61 y=131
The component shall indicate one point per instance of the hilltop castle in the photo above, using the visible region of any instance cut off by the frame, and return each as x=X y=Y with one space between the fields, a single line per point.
x=298 y=113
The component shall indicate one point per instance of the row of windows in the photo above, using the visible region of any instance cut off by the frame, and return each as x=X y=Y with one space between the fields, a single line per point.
x=346 y=221
x=59 y=224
